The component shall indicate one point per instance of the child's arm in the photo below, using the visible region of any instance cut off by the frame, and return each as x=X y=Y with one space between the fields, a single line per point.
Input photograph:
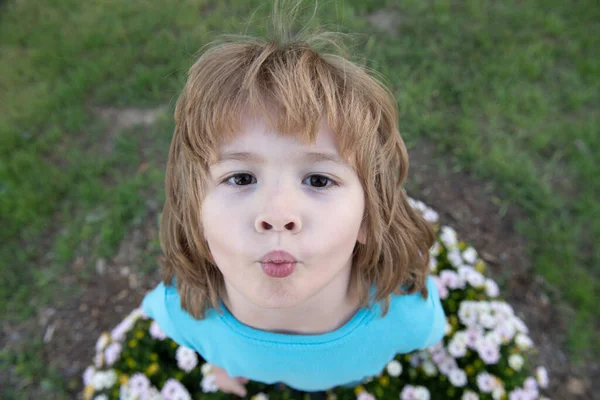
x=229 y=384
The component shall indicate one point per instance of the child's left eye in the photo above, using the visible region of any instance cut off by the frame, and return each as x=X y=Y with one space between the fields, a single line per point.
x=319 y=180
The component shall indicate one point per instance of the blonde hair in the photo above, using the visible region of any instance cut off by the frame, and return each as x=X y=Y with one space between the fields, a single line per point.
x=304 y=85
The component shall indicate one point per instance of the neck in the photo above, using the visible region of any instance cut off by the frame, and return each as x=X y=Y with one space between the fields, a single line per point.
x=308 y=318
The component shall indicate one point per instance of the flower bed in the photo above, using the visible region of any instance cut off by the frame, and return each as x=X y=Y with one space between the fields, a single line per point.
x=482 y=356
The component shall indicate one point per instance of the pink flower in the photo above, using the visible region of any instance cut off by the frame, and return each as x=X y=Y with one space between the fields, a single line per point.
x=112 y=353
x=365 y=396
x=450 y=279
x=156 y=332
x=473 y=335
x=489 y=352
x=174 y=390
x=519 y=394
x=139 y=383
x=209 y=384
x=485 y=382
x=408 y=393
x=442 y=290
x=447 y=365
x=88 y=374
x=118 y=333
x=531 y=387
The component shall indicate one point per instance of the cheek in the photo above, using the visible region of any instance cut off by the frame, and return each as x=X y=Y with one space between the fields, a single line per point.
x=221 y=227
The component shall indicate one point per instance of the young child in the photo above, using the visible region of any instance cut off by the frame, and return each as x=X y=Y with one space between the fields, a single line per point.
x=291 y=253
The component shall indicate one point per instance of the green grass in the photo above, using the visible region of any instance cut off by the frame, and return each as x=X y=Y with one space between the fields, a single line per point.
x=509 y=89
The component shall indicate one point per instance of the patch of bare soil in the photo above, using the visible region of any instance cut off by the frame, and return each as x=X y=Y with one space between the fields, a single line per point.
x=117 y=288
x=465 y=204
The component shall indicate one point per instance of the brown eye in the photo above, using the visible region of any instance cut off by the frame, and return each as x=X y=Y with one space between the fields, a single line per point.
x=316 y=181
x=241 y=179
x=319 y=181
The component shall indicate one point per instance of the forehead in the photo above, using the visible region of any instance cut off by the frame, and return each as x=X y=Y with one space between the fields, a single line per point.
x=254 y=135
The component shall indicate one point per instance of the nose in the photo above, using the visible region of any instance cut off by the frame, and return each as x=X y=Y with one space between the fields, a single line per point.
x=278 y=216
x=277 y=222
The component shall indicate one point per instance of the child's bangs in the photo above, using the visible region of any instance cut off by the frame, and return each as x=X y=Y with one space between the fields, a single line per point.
x=291 y=90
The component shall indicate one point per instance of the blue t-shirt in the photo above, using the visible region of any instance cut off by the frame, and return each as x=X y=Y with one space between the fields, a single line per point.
x=359 y=349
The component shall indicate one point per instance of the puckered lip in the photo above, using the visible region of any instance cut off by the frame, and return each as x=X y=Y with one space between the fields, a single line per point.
x=278 y=256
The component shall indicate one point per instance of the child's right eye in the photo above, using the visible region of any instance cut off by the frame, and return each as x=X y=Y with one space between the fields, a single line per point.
x=238 y=182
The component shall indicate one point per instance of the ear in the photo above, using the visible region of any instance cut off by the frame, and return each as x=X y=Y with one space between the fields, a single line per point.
x=362 y=233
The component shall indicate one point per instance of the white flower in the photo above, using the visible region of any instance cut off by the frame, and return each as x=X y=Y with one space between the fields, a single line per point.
x=503 y=308
x=487 y=320
x=173 y=389
x=408 y=393
x=447 y=365
x=206 y=369
x=519 y=325
x=542 y=377
x=442 y=290
x=98 y=360
x=451 y=279
x=156 y=332
x=455 y=258
x=394 y=368
x=516 y=361
x=469 y=395
x=88 y=375
x=494 y=337
x=485 y=382
x=476 y=279
x=470 y=255
x=448 y=237
x=523 y=341
x=102 y=342
x=467 y=313
x=153 y=394
x=416 y=358
x=488 y=351
x=506 y=331
x=473 y=335
x=261 y=396
x=447 y=329
x=429 y=368
x=421 y=393
x=498 y=393
x=432 y=264
x=364 y=395
x=457 y=348
x=518 y=394
x=125 y=393
x=101 y=397
x=483 y=307
x=491 y=288
x=112 y=353
x=119 y=331
x=139 y=383
x=136 y=314
x=186 y=358
x=435 y=249
x=458 y=377
x=104 y=379
x=431 y=216
x=531 y=386
x=209 y=384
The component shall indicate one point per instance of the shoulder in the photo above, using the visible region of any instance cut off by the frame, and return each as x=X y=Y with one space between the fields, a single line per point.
x=162 y=304
x=423 y=319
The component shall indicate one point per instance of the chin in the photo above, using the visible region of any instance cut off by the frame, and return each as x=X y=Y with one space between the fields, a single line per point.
x=276 y=298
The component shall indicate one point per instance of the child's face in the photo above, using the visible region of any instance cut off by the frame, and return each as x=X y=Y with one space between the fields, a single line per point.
x=281 y=205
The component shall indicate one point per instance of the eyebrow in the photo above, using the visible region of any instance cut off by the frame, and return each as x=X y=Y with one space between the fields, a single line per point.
x=310 y=157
